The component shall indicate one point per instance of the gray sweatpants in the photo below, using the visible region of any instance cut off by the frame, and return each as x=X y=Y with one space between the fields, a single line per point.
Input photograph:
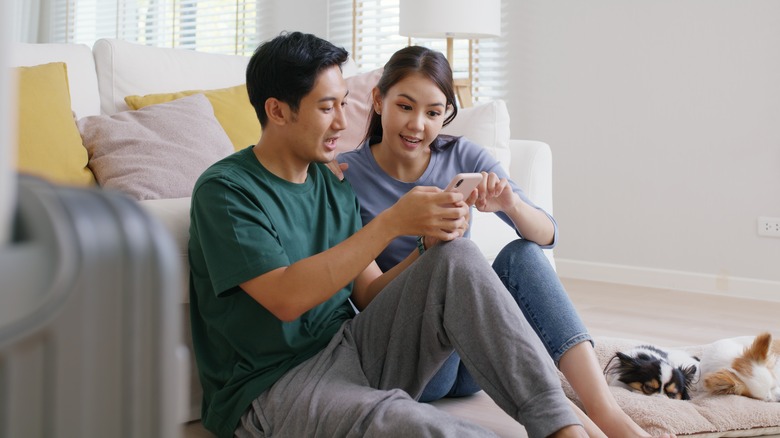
x=365 y=382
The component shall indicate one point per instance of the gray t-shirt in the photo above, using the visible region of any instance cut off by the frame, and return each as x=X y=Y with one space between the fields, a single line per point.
x=376 y=190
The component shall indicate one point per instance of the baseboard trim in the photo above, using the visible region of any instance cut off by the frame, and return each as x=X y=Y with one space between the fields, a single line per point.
x=725 y=285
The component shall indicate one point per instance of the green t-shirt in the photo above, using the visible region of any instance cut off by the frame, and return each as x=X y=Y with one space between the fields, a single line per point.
x=245 y=222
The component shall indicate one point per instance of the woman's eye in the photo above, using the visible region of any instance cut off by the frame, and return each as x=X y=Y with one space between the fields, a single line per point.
x=405 y=107
x=433 y=114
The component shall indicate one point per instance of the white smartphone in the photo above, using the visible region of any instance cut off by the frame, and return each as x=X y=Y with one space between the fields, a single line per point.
x=464 y=183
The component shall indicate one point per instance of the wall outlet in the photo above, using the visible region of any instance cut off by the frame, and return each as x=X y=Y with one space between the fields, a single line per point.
x=769 y=226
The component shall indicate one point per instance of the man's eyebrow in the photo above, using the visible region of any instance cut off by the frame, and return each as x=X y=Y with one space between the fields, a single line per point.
x=415 y=100
x=330 y=98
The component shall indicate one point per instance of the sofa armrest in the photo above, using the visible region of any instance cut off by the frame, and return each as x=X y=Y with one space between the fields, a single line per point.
x=174 y=214
x=531 y=168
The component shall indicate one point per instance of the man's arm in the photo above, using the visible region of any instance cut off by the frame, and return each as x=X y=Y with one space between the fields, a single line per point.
x=290 y=291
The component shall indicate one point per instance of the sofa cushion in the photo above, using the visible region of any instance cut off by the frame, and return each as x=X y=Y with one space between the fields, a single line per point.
x=155 y=152
x=48 y=141
x=126 y=69
x=231 y=107
x=486 y=124
x=358 y=108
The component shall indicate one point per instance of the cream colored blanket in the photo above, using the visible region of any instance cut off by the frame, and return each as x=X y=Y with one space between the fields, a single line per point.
x=702 y=416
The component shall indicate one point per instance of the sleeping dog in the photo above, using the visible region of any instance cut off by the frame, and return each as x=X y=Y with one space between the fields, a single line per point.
x=652 y=370
x=746 y=366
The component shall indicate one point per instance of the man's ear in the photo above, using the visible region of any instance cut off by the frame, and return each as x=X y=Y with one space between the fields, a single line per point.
x=277 y=111
x=376 y=100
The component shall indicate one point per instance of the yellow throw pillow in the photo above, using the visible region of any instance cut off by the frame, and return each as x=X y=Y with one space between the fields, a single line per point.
x=48 y=142
x=231 y=108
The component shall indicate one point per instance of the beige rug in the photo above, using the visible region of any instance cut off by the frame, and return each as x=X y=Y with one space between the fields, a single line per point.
x=702 y=416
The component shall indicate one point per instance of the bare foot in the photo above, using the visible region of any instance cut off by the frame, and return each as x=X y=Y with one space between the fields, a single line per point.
x=616 y=423
x=591 y=429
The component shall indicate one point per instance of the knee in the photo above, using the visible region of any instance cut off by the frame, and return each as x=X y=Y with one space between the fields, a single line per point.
x=459 y=255
x=519 y=251
x=458 y=249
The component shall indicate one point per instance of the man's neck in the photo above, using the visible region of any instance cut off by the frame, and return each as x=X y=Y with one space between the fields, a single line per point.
x=281 y=164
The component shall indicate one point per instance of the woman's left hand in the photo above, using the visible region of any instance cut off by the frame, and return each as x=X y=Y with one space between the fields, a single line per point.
x=493 y=194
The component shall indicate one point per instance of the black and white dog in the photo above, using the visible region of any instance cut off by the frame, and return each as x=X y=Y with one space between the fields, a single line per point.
x=652 y=370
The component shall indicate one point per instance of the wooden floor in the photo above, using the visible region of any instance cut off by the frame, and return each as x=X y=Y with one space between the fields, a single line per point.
x=665 y=318
x=669 y=318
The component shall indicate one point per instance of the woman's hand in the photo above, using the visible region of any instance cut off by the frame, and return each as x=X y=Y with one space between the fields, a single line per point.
x=337 y=168
x=493 y=194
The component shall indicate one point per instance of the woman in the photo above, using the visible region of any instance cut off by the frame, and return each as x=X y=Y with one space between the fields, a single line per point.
x=403 y=148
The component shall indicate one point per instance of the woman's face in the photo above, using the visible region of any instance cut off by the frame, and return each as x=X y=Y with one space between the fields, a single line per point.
x=413 y=111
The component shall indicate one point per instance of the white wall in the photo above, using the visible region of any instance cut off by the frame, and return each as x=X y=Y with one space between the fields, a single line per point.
x=309 y=16
x=664 y=120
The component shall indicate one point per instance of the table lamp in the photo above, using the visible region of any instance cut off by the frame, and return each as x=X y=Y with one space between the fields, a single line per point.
x=450 y=19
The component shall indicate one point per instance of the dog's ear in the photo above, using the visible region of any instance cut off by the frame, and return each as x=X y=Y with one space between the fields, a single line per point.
x=616 y=363
x=688 y=373
x=625 y=359
x=759 y=349
x=723 y=382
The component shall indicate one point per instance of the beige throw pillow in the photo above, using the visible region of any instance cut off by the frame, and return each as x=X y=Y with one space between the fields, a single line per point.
x=155 y=152
x=231 y=108
x=358 y=109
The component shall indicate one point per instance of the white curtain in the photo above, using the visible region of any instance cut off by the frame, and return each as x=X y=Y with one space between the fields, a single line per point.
x=217 y=26
x=26 y=23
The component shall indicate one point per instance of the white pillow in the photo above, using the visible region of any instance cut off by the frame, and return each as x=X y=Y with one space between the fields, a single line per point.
x=125 y=69
x=487 y=125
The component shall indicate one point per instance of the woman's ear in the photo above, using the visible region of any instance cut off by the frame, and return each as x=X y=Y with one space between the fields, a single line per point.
x=276 y=111
x=376 y=99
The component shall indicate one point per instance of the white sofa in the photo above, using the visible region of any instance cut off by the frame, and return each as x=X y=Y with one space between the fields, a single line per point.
x=100 y=78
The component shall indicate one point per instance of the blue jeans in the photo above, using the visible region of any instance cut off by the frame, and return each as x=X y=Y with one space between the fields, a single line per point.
x=535 y=287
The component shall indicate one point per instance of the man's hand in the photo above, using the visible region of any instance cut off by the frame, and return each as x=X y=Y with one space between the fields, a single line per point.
x=429 y=211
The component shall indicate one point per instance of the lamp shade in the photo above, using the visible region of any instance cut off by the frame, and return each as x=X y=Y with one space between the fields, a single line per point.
x=450 y=18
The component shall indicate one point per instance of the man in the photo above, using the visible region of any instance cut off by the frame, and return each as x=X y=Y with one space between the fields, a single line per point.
x=277 y=251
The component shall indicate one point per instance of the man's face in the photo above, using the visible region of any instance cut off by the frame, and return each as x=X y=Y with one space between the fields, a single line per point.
x=320 y=118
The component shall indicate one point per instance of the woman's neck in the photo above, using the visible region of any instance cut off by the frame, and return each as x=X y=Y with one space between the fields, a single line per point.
x=406 y=169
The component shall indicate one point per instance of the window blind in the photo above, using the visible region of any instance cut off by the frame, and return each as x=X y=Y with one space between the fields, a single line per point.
x=371 y=36
x=217 y=26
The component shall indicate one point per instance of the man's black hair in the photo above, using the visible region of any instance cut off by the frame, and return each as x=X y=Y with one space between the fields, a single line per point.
x=287 y=67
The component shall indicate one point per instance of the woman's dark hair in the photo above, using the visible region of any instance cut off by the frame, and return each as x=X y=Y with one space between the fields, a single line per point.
x=407 y=61
x=287 y=67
